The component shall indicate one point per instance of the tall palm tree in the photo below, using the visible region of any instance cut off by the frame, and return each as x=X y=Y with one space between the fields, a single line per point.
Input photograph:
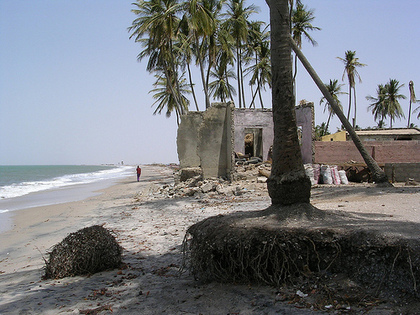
x=378 y=105
x=335 y=90
x=260 y=69
x=157 y=20
x=225 y=57
x=237 y=24
x=185 y=52
x=287 y=183
x=350 y=64
x=412 y=100
x=302 y=19
x=201 y=25
x=392 y=97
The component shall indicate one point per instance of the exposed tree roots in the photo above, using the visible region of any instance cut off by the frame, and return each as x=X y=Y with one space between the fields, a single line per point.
x=87 y=251
x=281 y=245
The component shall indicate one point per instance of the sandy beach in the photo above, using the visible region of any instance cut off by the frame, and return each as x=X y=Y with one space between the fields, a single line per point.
x=151 y=229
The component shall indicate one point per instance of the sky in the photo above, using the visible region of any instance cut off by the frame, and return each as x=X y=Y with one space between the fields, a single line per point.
x=73 y=92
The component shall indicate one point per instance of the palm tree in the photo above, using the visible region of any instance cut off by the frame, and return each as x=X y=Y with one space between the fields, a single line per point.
x=392 y=97
x=378 y=105
x=186 y=54
x=237 y=25
x=220 y=88
x=287 y=183
x=378 y=174
x=260 y=70
x=350 y=65
x=158 y=20
x=412 y=100
x=302 y=19
x=320 y=131
x=200 y=22
x=335 y=90
x=166 y=99
x=225 y=57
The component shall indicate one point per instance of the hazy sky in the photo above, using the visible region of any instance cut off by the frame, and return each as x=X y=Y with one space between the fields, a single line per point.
x=72 y=91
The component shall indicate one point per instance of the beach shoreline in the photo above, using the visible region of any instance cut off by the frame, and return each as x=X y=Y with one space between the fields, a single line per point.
x=151 y=230
x=40 y=227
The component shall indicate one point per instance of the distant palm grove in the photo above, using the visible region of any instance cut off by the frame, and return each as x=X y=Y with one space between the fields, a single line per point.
x=232 y=55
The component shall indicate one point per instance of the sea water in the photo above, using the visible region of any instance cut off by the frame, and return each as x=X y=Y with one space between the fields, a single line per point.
x=26 y=186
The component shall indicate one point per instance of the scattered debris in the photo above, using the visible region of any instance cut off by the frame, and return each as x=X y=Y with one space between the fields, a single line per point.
x=411 y=182
x=249 y=176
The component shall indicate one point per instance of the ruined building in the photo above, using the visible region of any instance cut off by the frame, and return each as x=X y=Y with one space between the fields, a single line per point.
x=209 y=140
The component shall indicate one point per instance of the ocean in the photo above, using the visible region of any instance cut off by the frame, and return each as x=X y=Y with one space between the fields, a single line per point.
x=27 y=186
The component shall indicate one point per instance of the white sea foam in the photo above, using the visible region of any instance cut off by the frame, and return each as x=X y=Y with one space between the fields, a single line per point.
x=24 y=188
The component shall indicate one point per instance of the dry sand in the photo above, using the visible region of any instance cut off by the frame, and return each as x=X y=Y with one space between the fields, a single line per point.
x=151 y=230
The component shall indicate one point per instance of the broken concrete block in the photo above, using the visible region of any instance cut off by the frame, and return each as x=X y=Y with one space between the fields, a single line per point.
x=187 y=173
x=207 y=187
x=261 y=179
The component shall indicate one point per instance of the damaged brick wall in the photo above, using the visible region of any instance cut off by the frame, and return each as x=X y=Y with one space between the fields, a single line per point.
x=337 y=152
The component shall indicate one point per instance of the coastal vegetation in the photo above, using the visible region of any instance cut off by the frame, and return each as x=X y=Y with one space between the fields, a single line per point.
x=230 y=50
x=386 y=103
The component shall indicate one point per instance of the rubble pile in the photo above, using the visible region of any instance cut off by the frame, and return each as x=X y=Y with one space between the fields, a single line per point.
x=246 y=179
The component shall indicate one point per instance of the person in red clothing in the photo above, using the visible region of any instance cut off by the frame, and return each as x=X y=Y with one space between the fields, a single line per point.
x=138 y=172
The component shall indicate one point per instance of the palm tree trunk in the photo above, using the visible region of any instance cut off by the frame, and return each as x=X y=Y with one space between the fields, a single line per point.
x=378 y=174
x=229 y=91
x=238 y=74
x=203 y=78
x=242 y=81
x=348 y=112
x=253 y=97
x=294 y=77
x=192 y=87
x=288 y=183
x=355 y=113
x=409 y=115
x=259 y=93
x=326 y=126
x=170 y=85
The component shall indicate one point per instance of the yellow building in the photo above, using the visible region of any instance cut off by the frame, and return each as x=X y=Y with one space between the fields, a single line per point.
x=338 y=136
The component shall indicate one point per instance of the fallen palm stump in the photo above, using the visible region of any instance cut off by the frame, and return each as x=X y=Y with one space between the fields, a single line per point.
x=282 y=245
x=85 y=252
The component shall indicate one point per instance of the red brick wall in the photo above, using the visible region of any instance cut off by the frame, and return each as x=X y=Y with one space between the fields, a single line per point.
x=336 y=152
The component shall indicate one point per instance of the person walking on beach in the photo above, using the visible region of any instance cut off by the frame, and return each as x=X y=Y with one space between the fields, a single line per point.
x=138 y=172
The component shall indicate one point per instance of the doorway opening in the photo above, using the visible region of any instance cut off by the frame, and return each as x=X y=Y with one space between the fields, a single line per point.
x=253 y=142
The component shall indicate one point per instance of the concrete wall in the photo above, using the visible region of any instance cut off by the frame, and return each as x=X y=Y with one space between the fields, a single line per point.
x=382 y=151
x=215 y=141
x=401 y=172
x=204 y=140
x=305 y=119
x=187 y=141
